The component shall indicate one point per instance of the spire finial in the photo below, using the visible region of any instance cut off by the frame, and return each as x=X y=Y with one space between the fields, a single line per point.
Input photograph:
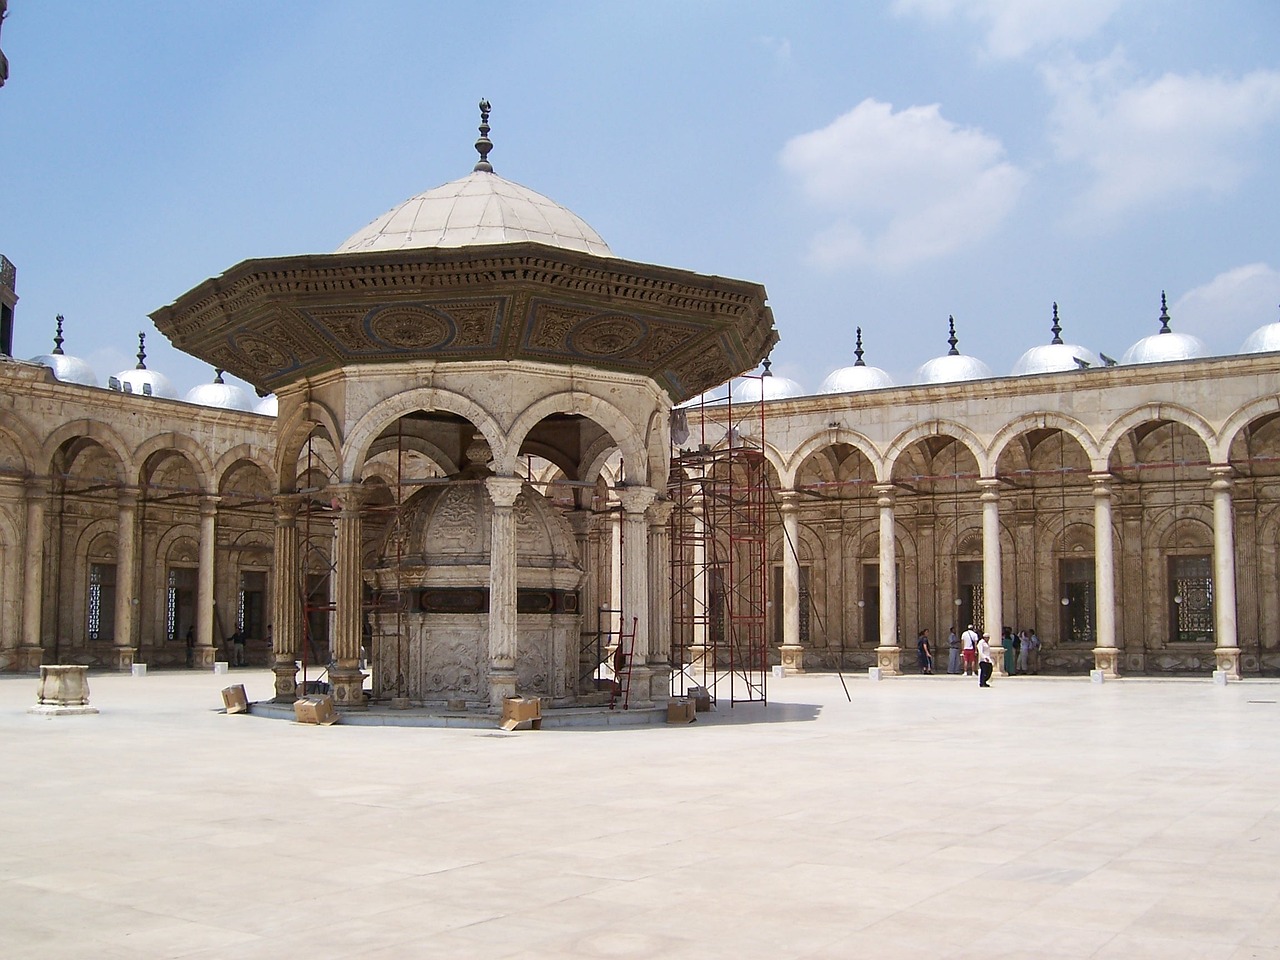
x=57 y=338
x=217 y=375
x=953 y=352
x=1164 y=314
x=1057 y=327
x=858 y=351
x=142 y=351
x=767 y=364
x=484 y=144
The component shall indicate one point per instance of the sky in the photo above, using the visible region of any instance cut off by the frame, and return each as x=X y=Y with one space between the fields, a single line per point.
x=882 y=165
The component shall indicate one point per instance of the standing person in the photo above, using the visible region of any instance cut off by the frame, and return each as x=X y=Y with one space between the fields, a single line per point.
x=969 y=651
x=1024 y=651
x=985 y=665
x=1008 y=645
x=923 y=654
x=1034 y=658
x=953 y=651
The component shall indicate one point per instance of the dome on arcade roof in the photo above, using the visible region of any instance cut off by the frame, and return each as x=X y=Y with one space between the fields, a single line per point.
x=224 y=396
x=953 y=366
x=480 y=208
x=67 y=368
x=857 y=377
x=1165 y=344
x=268 y=406
x=765 y=387
x=1266 y=339
x=1055 y=355
x=149 y=383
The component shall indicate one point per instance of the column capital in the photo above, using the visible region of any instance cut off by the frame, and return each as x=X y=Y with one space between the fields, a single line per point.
x=209 y=504
x=347 y=496
x=36 y=488
x=127 y=497
x=286 y=506
x=659 y=512
x=790 y=500
x=503 y=490
x=1223 y=475
x=635 y=499
x=886 y=493
x=990 y=487
x=580 y=522
x=1101 y=483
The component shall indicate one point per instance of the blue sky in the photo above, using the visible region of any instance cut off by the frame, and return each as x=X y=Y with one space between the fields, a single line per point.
x=881 y=165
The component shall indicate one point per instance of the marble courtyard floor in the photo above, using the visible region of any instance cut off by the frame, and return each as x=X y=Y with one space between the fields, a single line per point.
x=927 y=818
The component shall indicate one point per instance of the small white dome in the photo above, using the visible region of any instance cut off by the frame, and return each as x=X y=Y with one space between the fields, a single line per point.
x=1055 y=356
x=148 y=383
x=718 y=394
x=1165 y=345
x=268 y=406
x=69 y=369
x=766 y=387
x=953 y=366
x=857 y=377
x=224 y=396
x=1266 y=339
x=66 y=368
x=481 y=208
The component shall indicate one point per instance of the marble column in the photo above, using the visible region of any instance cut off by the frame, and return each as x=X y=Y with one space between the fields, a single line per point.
x=582 y=522
x=1106 y=655
x=790 y=649
x=205 y=653
x=123 y=649
x=992 y=581
x=346 y=679
x=286 y=606
x=701 y=614
x=31 y=647
x=888 y=653
x=1227 y=653
x=659 y=662
x=502 y=589
x=635 y=502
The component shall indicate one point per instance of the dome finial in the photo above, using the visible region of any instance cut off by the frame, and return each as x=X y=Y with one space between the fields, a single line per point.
x=142 y=351
x=57 y=338
x=767 y=364
x=1057 y=327
x=484 y=144
x=953 y=352
x=858 y=351
x=1164 y=314
x=217 y=375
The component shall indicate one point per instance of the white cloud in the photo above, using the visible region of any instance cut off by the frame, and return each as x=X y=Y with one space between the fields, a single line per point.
x=1148 y=142
x=901 y=187
x=1229 y=307
x=1016 y=27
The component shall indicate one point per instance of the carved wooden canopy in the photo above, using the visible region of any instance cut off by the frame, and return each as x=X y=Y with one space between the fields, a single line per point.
x=273 y=321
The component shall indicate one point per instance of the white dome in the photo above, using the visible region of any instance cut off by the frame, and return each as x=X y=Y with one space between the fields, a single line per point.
x=224 y=396
x=953 y=366
x=268 y=406
x=1266 y=339
x=68 y=369
x=147 y=382
x=718 y=394
x=1165 y=345
x=481 y=208
x=767 y=387
x=857 y=377
x=1055 y=356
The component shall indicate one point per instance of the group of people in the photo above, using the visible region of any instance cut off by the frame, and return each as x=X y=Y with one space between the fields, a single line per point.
x=972 y=653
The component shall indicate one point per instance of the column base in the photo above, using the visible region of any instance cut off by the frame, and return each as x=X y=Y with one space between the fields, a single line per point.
x=659 y=682
x=792 y=657
x=1107 y=659
x=286 y=672
x=122 y=659
x=29 y=659
x=347 y=686
x=202 y=658
x=697 y=657
x=502 y=684
x=1228 y=661
x=889 y=660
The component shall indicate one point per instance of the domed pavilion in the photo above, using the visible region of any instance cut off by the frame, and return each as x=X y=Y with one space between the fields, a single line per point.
x=420 y=370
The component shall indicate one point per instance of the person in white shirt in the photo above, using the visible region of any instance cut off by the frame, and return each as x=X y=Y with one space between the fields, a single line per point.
x=969 y=644
x=984 y=661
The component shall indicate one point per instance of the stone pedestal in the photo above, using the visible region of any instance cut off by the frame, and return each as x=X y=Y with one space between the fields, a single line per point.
x=1107 y=659
x=202 y=658
x=889 y=660
x=29 y=659
x=122 y=659
x=659 y=683
x=1228 y=661
x=792 y=657
x=502 y=684
x=63 y=691
x=286 y=672
x=347 y=685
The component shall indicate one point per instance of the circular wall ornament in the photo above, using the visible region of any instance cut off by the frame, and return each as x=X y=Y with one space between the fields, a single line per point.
x=609 y=336
x=409 y=327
